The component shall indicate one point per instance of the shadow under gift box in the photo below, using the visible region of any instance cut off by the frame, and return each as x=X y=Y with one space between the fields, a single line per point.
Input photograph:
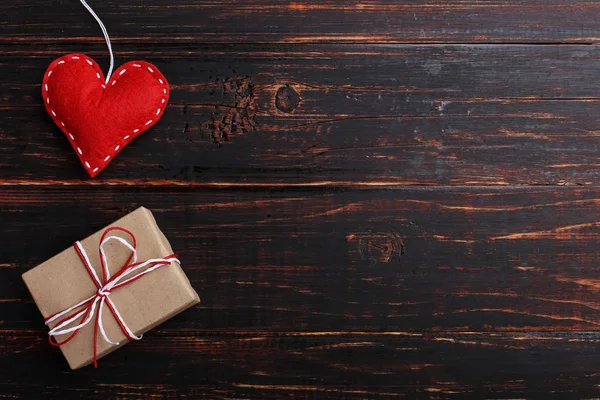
x=63 y=281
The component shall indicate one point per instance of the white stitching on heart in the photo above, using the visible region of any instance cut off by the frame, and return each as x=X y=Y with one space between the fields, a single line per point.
x=87 y=164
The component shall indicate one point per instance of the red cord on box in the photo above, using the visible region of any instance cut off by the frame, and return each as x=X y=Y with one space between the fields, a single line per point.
x=122 y=278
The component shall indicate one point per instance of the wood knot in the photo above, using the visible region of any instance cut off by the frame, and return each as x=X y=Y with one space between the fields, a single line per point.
x=378 y=247
x=287 y=99
x=235 y=115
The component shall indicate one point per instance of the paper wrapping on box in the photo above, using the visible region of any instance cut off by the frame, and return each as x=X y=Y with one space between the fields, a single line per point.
x=63 y=281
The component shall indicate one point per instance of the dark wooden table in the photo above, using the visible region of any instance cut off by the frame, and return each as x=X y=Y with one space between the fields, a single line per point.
x=376 y=199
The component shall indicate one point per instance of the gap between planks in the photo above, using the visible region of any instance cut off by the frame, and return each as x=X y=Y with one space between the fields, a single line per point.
x=283 y=185
x=234 y=41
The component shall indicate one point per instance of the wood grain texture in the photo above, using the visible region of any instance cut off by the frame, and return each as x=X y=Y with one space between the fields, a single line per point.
x=402 y=115
x=307 y=21
x=374 y=199
x=333 y=294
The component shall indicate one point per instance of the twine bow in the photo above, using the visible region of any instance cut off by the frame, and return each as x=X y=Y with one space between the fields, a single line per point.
x=125 y=276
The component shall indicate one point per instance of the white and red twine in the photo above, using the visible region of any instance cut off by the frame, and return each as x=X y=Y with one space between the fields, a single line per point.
x=123 y=277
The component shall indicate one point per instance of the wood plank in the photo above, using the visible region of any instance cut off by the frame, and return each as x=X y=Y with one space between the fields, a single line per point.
x=273 y=21
x=413 y=292
x=421 y=73
x=406 y=259
x=363 y=115
x=331 y=365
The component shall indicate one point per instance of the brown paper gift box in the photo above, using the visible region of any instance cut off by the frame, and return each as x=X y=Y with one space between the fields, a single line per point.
x=63 y=281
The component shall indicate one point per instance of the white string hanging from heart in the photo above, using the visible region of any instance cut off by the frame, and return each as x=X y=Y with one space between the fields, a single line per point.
x=106 y=37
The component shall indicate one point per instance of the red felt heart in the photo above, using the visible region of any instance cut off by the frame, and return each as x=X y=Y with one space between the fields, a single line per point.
x=99 y=118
